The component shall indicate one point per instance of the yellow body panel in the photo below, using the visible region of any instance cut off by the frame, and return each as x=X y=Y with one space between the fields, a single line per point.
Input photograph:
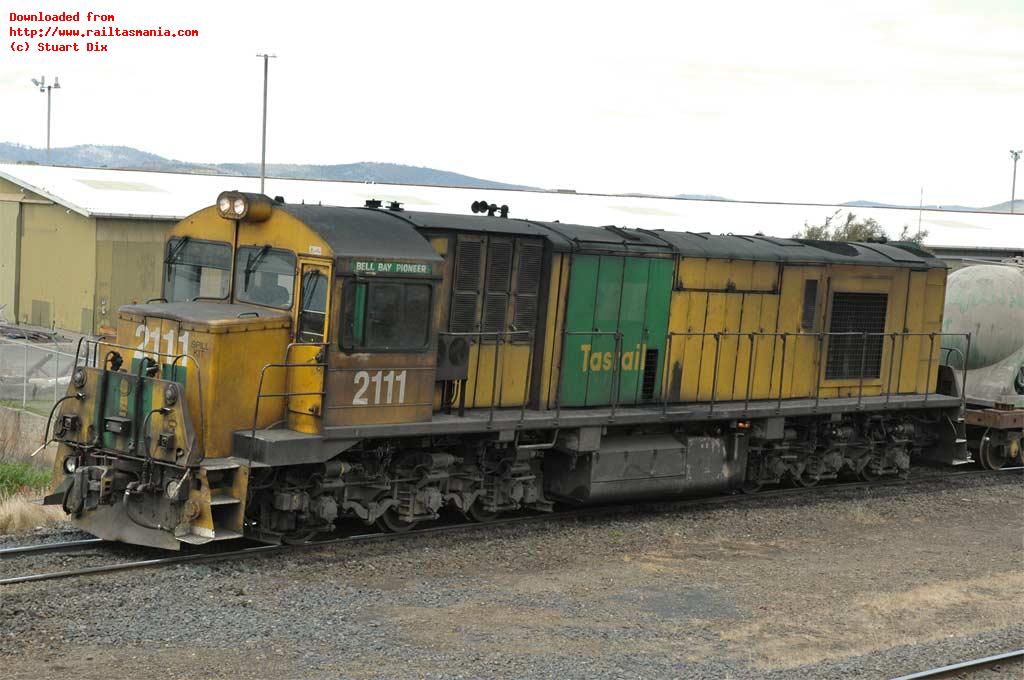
x=223 y=368
x=504 y=384
x=730 y=297
x=558 y=286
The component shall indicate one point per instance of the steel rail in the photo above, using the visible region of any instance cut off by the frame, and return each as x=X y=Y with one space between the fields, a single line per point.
x=51 y=547
x=654 y=505
x=957 y=668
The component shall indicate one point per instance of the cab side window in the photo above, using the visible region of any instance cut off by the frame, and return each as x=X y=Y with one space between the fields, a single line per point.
x=386 y=316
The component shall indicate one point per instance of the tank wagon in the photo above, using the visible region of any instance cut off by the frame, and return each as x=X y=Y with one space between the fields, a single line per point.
x=987 y=301
x=309 y=363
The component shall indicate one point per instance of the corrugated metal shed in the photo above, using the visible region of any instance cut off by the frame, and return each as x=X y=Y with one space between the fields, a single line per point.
x=161 y=195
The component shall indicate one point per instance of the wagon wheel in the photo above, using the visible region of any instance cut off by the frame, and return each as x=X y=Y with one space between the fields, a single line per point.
x=477 y=513
x=992 y=456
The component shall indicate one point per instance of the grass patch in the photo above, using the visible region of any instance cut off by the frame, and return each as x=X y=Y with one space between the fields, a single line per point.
x=20 y=513
x=40 y=407
x=20 y=484
x=22 y=477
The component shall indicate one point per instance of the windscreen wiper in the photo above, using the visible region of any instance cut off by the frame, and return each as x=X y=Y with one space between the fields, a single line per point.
x=252 y=262
x=172 y=257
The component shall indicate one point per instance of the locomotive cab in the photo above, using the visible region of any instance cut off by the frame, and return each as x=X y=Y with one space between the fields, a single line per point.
x=275 y=321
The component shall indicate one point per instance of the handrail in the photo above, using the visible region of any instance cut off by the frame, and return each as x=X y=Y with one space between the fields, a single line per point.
x=260 y=395
x=174 y=362
x=499 y=340
x=288 y=351
x=963 y=364
x=286 y=364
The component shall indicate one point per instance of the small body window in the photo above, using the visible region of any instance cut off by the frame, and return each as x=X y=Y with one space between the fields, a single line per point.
x=386 y=316
x=810 y=304
x=264 y=276
x=195 y=269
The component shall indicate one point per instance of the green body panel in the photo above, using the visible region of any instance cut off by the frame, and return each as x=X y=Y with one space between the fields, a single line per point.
x=121 y=401
x=609 y=294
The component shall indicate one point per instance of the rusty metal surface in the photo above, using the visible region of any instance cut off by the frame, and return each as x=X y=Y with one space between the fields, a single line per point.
x=997 y=418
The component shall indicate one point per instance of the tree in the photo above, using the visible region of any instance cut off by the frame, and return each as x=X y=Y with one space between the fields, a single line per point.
x=850 y=228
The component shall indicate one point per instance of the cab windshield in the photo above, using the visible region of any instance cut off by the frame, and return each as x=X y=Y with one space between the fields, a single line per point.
x=264 y=276
x=196 y=269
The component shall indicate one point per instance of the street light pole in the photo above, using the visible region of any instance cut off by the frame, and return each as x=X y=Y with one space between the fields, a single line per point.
x=1015 y=155
x=43 y=87
x=263 y=152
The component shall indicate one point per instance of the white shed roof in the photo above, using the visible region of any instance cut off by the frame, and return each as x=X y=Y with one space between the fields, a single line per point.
x=166 y=195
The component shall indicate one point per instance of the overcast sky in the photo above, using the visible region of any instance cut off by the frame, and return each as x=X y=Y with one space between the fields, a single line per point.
x=816 y=101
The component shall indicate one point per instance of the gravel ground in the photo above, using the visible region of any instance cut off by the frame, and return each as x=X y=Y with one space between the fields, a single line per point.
x=854 y=583
x=43 y=535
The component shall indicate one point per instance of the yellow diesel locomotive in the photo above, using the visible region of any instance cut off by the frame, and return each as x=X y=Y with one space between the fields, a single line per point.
x=310 y=363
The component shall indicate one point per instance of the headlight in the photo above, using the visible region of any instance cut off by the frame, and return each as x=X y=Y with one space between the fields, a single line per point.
x=78 y=378
x=239 y=206
x=224 y=204
x=70 y=465
x=170 y=395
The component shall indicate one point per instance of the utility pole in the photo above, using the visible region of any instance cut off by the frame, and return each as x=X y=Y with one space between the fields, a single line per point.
x=263 y=154
x=1015 y=155
x=920 y=207
x=43 y=87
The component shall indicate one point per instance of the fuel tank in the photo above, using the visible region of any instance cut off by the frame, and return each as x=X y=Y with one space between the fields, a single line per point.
x=987 y=301
x=647 y=467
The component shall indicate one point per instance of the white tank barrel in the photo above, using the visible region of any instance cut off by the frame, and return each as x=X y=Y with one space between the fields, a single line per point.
x=987 y=301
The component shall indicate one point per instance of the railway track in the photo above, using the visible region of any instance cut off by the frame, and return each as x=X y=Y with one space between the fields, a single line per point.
x=958 y=669
x=258 y=550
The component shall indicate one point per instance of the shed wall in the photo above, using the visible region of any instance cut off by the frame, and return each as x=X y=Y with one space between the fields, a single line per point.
x=8 y=258
x=12 y=197
x=129 y=260
x=58 y=268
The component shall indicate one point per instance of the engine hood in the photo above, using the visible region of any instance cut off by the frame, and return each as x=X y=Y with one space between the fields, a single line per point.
x=211 y=317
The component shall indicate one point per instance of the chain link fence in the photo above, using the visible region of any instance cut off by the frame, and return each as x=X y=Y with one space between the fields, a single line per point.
x=35 y=370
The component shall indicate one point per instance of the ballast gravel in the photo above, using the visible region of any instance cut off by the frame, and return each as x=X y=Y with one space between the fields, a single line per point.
x=870 y=583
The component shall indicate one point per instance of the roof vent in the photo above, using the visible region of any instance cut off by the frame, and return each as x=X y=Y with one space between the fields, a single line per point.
x=373 y=203
x=394 y=205
x=279 y=200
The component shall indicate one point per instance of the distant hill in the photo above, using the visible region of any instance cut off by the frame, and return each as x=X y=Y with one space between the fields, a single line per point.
x=701 y=197
x=128 y=158
x=999 y=207
x=1018 y=206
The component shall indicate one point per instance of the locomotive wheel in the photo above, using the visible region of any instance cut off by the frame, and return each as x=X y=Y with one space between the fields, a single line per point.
x=867 y=474
x=751 y=486
x=298 y=539
x=390 y=521
x=806 y=480
x=477 y=513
